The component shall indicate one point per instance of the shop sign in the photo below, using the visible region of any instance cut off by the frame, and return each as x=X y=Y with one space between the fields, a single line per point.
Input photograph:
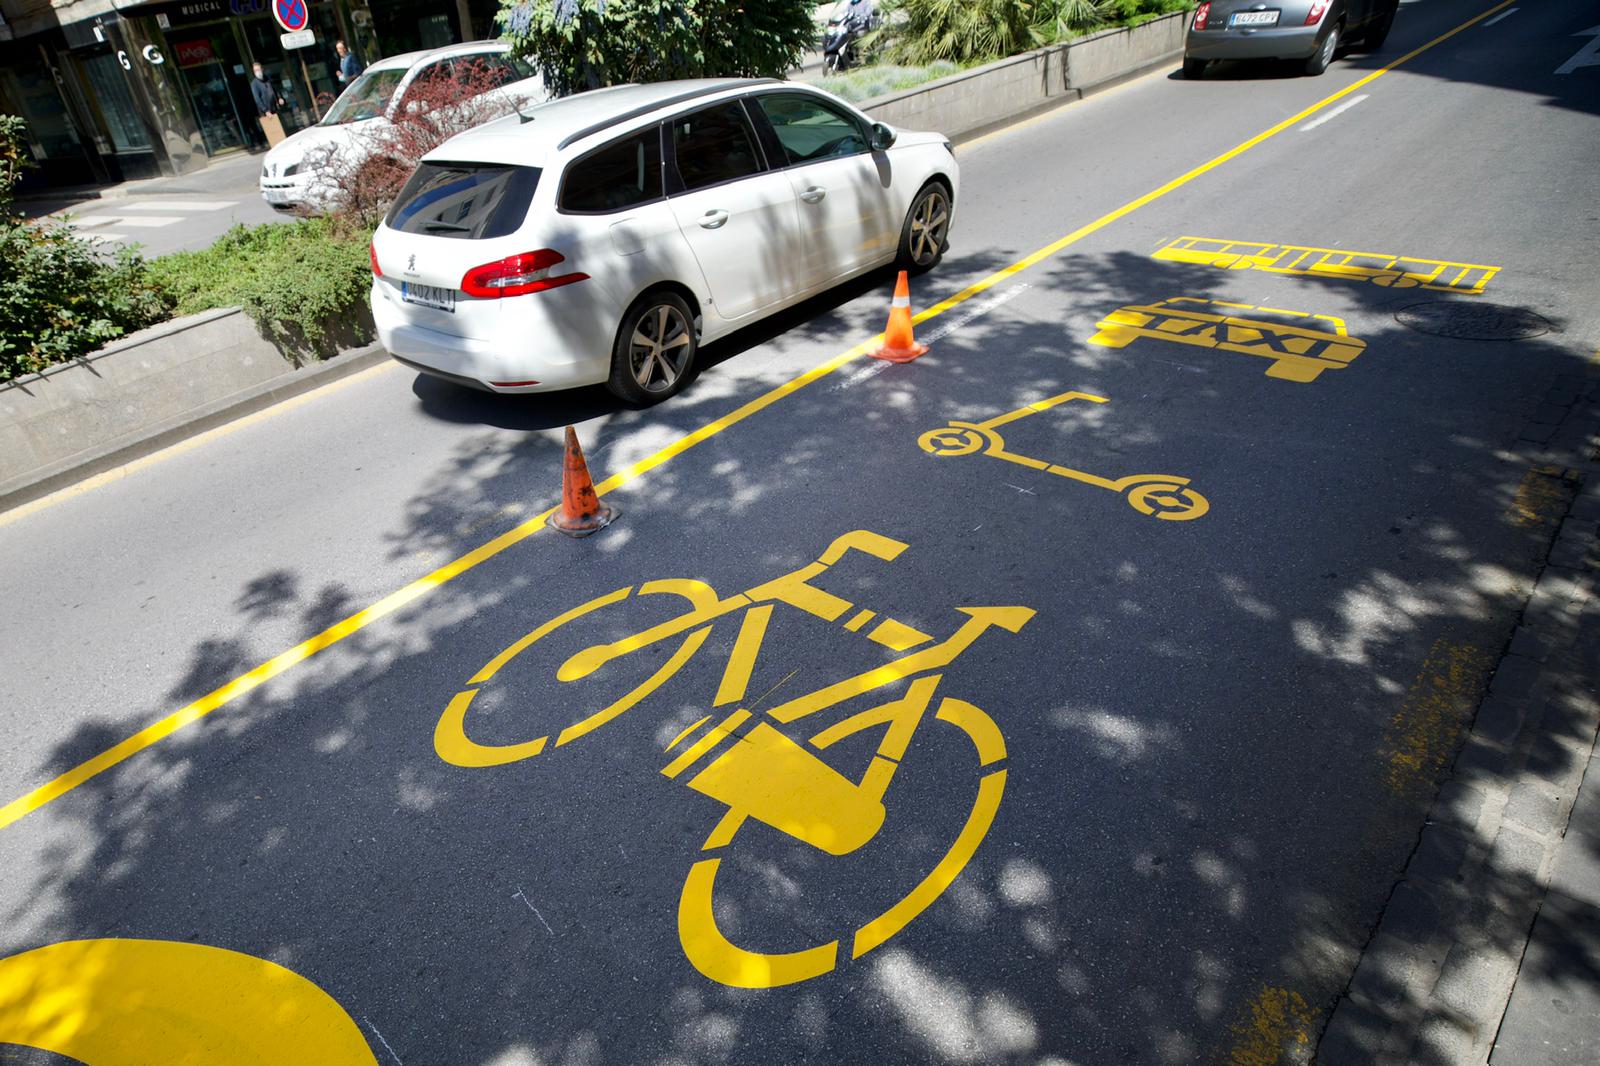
x=194 y=53
x=298 y=39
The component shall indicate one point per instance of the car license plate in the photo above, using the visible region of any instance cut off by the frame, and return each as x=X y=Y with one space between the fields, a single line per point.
x=276 y=196
x=1254 y=18
x=428 y=296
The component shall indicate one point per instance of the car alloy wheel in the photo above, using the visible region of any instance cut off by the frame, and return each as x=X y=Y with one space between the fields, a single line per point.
x=655 y=349
x=927 y=227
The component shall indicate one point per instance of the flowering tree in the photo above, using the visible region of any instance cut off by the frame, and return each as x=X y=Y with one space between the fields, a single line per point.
x=358 y=181
x=587 y=44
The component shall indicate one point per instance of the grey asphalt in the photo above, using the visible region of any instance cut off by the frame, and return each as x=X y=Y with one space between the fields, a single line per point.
x=1201 y=820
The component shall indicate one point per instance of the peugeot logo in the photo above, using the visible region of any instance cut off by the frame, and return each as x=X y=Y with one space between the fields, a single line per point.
x=411 y=264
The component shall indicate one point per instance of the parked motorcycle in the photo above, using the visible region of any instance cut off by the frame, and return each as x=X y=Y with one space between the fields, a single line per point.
x=849 y=21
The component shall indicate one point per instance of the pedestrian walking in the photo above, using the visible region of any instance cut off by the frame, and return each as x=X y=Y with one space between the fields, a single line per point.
x=267 y=103
x=350 y=67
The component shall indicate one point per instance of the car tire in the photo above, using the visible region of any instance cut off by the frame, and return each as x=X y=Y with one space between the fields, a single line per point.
x=1324 y=54
x=926 y=234
x=1193 y=69
x=655 y=349
x=1373 y=39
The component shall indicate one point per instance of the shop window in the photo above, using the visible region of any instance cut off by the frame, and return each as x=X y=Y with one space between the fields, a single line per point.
x=117 y=110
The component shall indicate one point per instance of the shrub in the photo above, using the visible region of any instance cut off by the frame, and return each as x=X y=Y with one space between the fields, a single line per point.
x=293 y=279
x=588 y=44
x=61 y=296
x=961 y=31
x=359 y=181
x=867 y=82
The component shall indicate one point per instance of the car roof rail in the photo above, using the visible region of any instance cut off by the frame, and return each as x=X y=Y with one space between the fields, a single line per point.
x=670 y=101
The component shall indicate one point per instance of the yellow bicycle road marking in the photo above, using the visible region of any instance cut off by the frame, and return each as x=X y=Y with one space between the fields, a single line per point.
x=248 y=682
x=115 y=1002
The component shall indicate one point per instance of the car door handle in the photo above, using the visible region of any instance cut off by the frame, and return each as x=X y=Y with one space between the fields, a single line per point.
x=814 y=194
x=713 y=219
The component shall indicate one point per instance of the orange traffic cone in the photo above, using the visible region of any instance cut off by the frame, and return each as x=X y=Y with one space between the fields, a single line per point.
x=899 y=346
x=581 y=511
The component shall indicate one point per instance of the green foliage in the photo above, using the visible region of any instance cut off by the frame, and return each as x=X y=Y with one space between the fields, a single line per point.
x=588 y=44
x=295 y=280
x=865 y=83
x=14 y=157
x=60 y=296
x=960 y=31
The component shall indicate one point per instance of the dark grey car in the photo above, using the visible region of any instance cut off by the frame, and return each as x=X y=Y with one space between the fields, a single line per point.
x=1308 y=30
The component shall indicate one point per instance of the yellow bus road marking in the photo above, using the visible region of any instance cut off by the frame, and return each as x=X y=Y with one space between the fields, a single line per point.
x=1380 y=268
x=1279 y=1026
x=1439 y=705
x=239 y=686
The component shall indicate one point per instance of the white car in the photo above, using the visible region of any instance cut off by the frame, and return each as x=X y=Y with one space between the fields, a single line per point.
x=288 y=172
x=603 y=237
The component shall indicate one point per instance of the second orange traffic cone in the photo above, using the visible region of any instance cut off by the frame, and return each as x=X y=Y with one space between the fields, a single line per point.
x=581 y=511
x=899 y=346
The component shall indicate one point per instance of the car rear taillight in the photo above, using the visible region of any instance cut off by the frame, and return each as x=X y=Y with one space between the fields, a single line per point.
x=372 y=250
x=517 y=275
x=1201 y=14
x=1318 y=9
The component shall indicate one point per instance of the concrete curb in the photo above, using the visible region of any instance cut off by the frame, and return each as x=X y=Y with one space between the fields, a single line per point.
x=192 y=423
x=1434 y=981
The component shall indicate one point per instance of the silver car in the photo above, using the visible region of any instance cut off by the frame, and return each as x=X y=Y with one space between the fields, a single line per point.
x=1308 y=30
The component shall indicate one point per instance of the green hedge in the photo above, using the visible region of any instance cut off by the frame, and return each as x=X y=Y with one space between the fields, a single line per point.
x=294 y=279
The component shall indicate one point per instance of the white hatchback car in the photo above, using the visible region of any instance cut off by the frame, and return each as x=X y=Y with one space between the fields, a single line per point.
x=603 y=237
x=288 y=172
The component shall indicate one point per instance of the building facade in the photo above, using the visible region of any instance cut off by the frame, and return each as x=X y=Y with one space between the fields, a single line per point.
x=114 y=91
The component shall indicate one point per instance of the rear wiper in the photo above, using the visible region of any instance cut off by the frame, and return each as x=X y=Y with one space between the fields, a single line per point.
x=446 y=225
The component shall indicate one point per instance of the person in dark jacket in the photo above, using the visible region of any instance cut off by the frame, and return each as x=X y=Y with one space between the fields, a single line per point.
x=350 y=67
x=266 y=97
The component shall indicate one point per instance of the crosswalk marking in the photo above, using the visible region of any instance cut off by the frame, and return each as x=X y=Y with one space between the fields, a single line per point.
x=176 y=205
x=150 y=221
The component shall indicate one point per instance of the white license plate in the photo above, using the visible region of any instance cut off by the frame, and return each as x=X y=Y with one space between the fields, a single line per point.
x=276 y=196
x=1254 y=18
x=428 y=296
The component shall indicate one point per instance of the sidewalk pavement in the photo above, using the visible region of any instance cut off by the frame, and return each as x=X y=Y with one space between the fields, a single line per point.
x=1488 y=950
x=234 y=176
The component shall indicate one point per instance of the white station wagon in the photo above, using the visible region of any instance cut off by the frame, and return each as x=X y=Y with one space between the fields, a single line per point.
x=603 y=237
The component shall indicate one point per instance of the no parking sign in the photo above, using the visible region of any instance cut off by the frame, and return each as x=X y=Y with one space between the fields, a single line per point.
x=292 y=15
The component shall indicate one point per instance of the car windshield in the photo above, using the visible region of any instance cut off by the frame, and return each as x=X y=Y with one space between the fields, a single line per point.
x=368 y=98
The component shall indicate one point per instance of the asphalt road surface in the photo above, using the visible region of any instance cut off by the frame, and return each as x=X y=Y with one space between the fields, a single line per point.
x=1141 y=803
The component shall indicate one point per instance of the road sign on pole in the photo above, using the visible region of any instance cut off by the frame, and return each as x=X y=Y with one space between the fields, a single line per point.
x=292 y=15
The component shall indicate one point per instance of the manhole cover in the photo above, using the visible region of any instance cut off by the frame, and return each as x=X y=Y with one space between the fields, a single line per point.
x=1473 y=322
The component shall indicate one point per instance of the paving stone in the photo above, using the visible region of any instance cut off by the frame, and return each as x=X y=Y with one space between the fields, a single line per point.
x=1475 y=984
x=1482 y=763
x=1549 y=414
x=1459 y=806
x=1393 y=974
x=1355 y=1035
x=1537 y=434
x=1441 y=857
x=1563 y=396
x=1517 y=857
x=1555 y=763
x=1514 y=676
x=1444 y=1040
x=1570 y=716
x=1534 y=808
x=1572 y=553
x=1415 y=914
x=1500 y=717
x=1531 y=645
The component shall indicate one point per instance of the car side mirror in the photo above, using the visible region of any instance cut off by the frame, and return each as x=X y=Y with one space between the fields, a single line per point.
x=883 y=136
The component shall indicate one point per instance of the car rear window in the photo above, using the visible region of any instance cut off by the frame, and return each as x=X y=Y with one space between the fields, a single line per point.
x=618 y=176
x=469 y=200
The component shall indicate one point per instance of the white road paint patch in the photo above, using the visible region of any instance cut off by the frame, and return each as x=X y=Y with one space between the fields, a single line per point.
x=1507 y=13
x=150 y=221
x=1019 y=488
x=381 y=1040
x=518 y=894
x=1587 y=56
x=878 y=366
x=1335 y=113
x=177 y=205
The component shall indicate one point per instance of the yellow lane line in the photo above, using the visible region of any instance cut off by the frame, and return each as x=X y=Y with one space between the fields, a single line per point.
x=239 y=686
x=199 y=439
